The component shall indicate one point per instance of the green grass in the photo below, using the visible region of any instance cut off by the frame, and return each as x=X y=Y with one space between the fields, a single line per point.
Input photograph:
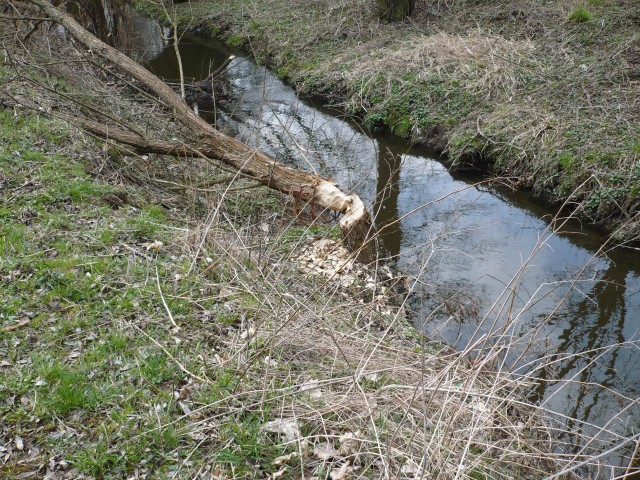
x=157 y=369
x=235 y=40
x=68 y=389
x=581 y=15
x=413 y=106
x=97 y=355
x=79 y=359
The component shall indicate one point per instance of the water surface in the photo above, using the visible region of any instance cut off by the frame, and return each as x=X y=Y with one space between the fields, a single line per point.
x=486 y=260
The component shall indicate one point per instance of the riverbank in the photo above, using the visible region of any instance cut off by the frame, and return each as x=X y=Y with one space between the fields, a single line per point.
x=138 y=339
x=545 y=94
x=163 y=317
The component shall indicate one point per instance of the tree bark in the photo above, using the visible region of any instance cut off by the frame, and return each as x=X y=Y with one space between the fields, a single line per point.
x=356 y=225
x=395 y=10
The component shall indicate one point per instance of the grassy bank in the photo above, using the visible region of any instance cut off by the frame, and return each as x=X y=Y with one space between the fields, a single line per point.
x=150 y=326
x=164 y=317
x=155 y=322
x=544 y=92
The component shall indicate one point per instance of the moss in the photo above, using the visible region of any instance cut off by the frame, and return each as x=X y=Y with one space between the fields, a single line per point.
x=235 y=40
x=376 y=120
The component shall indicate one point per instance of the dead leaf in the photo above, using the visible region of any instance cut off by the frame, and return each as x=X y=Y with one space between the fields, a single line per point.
x=279 y=473
x=341 y=473
x=154 y=246
x=270 y=361
x=74 y=354
x=411 y=468
x=284 y=459
x=372 y=377
x=185 y=408
x=350 y=443
x=185 y=391
x=21 y=323
x=248 y=333
x=22 y=475
x=312 y=388
x=325 y=451
x=225 y=292
x=19 y=443
x=287 y=427
x=218 y=473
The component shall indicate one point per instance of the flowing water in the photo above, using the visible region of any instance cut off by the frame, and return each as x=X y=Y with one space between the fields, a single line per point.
x=486 y=260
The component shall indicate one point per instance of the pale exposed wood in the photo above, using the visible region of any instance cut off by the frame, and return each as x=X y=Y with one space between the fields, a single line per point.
x=207 y=81
x=356 y=225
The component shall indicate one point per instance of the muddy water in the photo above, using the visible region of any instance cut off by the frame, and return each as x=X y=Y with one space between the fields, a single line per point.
x=487 y=261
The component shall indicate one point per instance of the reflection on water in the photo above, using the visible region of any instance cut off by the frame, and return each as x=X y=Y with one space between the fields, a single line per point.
x=117 y=23
x=199 y=58
x=385 y=205
x=485 y=259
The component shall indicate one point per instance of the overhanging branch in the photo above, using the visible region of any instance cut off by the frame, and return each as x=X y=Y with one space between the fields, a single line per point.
x=356 y=225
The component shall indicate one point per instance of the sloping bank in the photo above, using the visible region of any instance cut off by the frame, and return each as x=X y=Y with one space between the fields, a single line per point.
x=137 y=339
x=156 y=323
x=544 y=92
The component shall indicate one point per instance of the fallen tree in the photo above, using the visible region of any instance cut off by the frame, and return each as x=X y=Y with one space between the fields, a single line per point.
x=356 y=225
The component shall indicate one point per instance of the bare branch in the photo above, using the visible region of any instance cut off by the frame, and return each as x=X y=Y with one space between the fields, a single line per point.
x=356 y=225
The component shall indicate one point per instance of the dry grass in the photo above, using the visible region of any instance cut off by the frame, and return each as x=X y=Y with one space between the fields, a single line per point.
x=485 y=63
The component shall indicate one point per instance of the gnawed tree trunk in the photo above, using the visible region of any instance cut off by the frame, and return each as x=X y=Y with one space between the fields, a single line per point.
x=356 y=225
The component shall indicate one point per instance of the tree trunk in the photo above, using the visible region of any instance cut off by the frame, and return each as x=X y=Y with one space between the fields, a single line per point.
x=356 y=225
x=395 y=10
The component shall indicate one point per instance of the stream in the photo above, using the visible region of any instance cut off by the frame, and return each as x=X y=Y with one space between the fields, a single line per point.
x=489 y=267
